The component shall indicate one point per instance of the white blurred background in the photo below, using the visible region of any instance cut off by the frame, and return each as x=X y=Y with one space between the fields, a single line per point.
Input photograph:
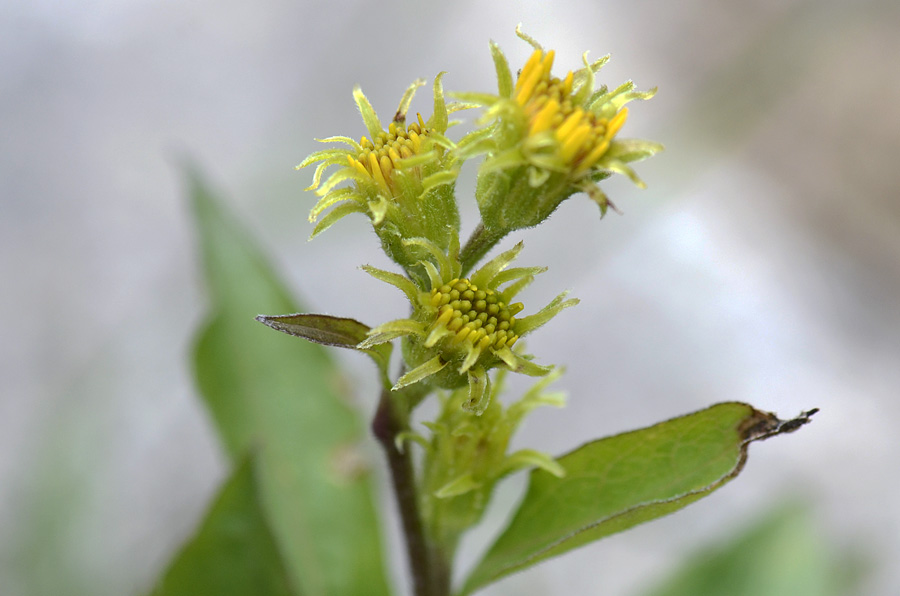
x=762 y=264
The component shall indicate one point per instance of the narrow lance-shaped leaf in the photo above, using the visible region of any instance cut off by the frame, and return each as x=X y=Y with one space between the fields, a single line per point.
x=273 y=392
x=618 y=482
x=234 y=552
x=339 y=332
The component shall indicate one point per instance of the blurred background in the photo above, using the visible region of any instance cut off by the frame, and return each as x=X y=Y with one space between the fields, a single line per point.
x=762 y=264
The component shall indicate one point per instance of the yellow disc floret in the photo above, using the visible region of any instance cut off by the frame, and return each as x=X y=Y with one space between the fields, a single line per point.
x=471 y=318
x=582 y=136
x=381 y=155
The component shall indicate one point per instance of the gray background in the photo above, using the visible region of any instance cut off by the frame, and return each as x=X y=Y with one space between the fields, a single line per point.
x=760 y=265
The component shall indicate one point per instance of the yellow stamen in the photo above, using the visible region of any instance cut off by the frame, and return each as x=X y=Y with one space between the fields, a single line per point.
x=446 y=315
x=548 y=63
x=567 y=84
x=386 y=166
x=591 y=158
x=616 y=123
x=574 y=142
x=395 y=157
x=462 y=333
x=358 y=166
x=569 y=124
x=530 y=65
x=416 y=141
x=375 y=171
x=544 y=118
x=529 y=79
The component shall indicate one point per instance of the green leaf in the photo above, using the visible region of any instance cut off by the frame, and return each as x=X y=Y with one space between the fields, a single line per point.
x=272 y=392
x=339 y=332
x=782 y=554
x=233 y=553
x=618 y=482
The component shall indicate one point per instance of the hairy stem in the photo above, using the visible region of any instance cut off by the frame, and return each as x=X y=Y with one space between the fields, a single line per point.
x=480 y=242
x=429 y=565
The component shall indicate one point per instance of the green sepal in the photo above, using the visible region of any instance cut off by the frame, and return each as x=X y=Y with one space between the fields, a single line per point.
x=370 y=118
x=458 y=486
x=479 y=391
x=527 y=38
x=338 y=196
x=529 y=458
x=390 y=331
x=403 y=107
x=630 y=150
x=474 y=97
x=357 y=148
x=504 y=75
x=420 y=372
x=489 y=271
x=395 y=279
x=526 y=325
x=447 y=263
x=439 y=179
x=336 y=214
x=439 y=118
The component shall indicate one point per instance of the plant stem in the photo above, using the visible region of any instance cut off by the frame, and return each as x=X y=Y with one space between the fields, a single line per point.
x=429 y=566
x=480 y=242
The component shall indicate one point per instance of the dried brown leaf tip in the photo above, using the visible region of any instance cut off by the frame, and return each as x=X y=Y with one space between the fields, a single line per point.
x=762 y=425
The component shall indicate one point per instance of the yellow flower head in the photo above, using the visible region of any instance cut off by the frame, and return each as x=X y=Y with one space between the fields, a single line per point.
x=546 y=138
x=581 y=136
x=377 y=159
x=462 y=327
x=402 y=177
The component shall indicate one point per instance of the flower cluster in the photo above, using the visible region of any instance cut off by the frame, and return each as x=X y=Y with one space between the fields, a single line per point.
x=542 y=139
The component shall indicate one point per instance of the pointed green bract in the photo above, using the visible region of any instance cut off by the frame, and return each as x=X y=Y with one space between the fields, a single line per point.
x=618 y=482
x=267 y=390
x=395 y=279
x=370 y=118
x=234 y=551
x=406 y=100
x=433 y=366
x=479 y=391
x=439 y=119
x=486 y=274
x=501 y=66
x=526 y=325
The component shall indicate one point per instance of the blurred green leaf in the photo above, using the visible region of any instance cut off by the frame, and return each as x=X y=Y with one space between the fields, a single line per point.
x=233 y=552
x=781 y=555
x=618 y=482
x=270 y=392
